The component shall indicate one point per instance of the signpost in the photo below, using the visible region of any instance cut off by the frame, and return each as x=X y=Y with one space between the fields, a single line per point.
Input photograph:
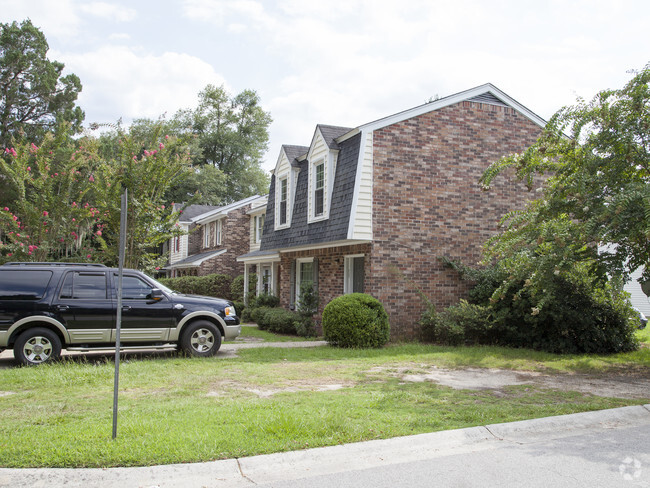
x=118 y=323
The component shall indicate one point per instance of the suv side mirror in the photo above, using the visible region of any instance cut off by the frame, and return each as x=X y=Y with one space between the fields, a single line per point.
x=156 y=294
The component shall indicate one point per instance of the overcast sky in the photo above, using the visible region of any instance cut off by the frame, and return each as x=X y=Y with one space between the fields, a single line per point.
x=338 y=62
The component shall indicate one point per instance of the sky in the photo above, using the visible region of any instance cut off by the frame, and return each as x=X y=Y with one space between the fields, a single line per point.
x=336 y=62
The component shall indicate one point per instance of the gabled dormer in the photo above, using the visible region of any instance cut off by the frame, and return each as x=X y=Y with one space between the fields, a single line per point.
x=286 y=176
x=321 y=159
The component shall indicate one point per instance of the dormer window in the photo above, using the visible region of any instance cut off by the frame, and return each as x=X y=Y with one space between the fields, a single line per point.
x=259 y=228
x=319 y=189
x=283 y=216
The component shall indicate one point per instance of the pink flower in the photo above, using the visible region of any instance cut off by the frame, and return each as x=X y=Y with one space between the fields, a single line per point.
x=6 y=209
x=99 y=232
x=33 y=148
x=29 y=168
x=89 y=256
x=45 y=213
x=167 y=137
x=9 y=254
x=157 y=268
x=161 y=146
x=91 y=179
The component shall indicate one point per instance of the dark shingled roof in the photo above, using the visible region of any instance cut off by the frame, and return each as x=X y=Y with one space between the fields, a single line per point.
x=294 y=152
x=332 y=132
x=335 y=228
x=192 y=211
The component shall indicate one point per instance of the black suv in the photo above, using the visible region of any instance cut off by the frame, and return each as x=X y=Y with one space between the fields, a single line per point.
x=45 y=307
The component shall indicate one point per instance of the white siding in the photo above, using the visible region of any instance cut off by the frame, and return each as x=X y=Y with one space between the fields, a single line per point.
x=182 y=253
x=638 y=298
x=362 y=203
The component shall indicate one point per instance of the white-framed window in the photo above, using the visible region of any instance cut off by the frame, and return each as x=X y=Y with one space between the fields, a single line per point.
x=319 y=189
x=305 y=271
x=207 y=235
x=219 y=231
x=283 y=210
x=354 y=273
x=259 y=228
x=266 y=280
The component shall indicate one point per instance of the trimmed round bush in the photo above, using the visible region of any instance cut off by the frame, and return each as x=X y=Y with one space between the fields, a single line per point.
x=356 y=320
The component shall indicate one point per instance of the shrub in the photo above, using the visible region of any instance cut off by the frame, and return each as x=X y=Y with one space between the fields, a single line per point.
x=265 y=300
x=356 y=320
x=258 y=315
x=281 y=321
x=212 y=285
x=237 y=288
x=464 y=323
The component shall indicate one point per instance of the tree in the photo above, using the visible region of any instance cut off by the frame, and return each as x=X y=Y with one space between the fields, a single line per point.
x=51 y=217
x=147 y=169
x=595 y=205
x=34 y=97
x=233 y=137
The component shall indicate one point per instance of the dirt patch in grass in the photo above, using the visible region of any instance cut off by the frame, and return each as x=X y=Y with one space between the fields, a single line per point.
x=269 y=391
x=631 y=385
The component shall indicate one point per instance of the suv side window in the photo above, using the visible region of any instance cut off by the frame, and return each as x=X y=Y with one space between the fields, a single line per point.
x=133 y=288
x=20 y=284
x=80 y=285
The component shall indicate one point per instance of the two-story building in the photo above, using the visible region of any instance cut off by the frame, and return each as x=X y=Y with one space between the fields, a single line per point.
x=216 y=236
x=372 y=208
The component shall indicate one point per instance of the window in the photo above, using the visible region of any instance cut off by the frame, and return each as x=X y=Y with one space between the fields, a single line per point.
x=303 y=270
x=259 y=228
x=206 y=234
x=219 y=226
x=319 y=188
x=134 y=288
x=354 y=274
x=79 y=285
x=177 y=244
x=23 y=284
x=284 y=194
x=266 y=279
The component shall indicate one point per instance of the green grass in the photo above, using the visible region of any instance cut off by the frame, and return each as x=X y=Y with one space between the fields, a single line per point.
x=177 y=410
x=644 y=335
x=254 y=332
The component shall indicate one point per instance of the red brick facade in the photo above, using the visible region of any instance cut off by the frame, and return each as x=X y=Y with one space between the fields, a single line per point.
x=235 y=239
x=427 y=202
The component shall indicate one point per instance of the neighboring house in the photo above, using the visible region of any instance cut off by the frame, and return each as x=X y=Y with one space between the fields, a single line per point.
x=639 y=299
x=217 y=235
x=371 y=208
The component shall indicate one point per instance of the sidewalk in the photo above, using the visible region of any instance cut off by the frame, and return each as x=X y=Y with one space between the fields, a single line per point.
x=302 y=465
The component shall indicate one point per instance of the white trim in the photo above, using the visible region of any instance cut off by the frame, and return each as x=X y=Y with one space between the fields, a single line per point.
x=195 y=264
x=451 y=100
x=311 y=190
x=326 y=245
x=357 y=183
x=223 y=211
x=266 y=258
x=278 y=200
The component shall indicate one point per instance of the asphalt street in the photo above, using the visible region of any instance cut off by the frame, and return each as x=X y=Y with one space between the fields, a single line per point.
x=608 y=448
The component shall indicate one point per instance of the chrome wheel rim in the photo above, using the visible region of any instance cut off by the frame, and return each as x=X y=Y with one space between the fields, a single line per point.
x=202 y=340
x=38 y=349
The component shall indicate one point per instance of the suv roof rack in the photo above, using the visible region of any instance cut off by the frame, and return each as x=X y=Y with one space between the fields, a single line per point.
x=30 y=263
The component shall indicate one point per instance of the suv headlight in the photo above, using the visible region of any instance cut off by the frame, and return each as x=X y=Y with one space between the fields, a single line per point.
x=230 y=311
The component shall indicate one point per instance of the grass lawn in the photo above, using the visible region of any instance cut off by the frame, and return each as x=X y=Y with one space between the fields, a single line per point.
x=255 y=333
x=178 y=410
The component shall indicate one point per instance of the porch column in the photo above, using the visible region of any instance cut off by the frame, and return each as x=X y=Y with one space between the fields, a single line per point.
x=246 y=283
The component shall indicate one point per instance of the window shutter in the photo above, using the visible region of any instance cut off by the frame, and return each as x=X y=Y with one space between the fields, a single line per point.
x=315 y=275
x=292 y=291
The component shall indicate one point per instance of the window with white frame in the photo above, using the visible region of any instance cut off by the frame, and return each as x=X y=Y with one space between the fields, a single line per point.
x=354 y=273
x=306 y=270
x=259 y=228
x=319 y=189
x=219 y=231
x=266 y=280
x=282 y=202
x=207 y=235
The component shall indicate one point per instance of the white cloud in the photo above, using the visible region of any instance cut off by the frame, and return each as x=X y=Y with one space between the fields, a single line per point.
x=120 y=82
x=108 y=11
x=55 y=19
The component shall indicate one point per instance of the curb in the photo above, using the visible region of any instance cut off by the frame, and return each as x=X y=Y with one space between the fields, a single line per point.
x=329 y=460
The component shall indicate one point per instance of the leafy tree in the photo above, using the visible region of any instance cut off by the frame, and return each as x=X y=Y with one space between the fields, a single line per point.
x=34 y=97
x=597 y=190
x=233 y=136
x=147 y=169
x=51 y=217
x=204 y=185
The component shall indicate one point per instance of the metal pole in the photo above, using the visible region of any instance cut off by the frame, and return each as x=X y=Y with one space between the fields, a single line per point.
x=118 y=322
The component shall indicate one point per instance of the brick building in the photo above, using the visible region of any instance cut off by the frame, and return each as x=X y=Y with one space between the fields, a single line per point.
x=372 y=208
x=215 y=237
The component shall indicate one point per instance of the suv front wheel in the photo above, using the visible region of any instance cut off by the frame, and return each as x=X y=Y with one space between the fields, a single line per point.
x=201 y=338
x=37 y=346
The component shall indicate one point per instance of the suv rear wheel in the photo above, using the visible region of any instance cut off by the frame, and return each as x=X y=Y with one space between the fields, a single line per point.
x=201 y=338
x=37 y=346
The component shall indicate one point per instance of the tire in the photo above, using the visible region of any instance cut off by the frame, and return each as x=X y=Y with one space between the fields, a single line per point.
x=37 y=346
x=201 y=339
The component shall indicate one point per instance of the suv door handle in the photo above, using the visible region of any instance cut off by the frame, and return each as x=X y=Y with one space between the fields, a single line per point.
x=62 y=308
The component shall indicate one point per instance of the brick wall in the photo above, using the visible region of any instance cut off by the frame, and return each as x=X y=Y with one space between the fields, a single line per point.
x=235 y=239
x=427 y=202
x=330 y=272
